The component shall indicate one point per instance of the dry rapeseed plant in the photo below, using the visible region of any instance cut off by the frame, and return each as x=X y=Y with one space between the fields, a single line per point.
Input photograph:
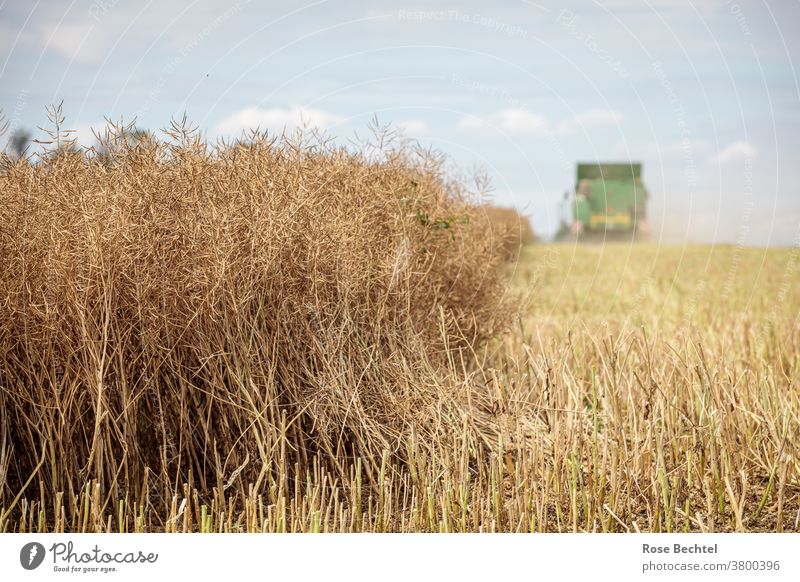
x=512 y=228
x=225 y=317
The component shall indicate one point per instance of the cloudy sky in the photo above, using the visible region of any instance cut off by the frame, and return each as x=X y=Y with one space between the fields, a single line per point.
x=704 y=92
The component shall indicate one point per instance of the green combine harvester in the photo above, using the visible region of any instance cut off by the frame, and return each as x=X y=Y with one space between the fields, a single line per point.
x=609 y=202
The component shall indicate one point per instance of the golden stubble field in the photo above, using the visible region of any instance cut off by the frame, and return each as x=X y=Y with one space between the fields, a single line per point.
x=667 y=378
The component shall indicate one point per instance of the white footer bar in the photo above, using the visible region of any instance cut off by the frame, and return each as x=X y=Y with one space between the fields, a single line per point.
x=438 y=557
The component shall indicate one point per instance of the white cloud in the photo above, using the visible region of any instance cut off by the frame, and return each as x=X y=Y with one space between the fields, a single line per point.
x=76 y=42
x=72 y=41
x=738 y=150
x=590 y=118
x=520 y=121
x=277 y=119
x=414 y=127
x=513 y=121
x=8 y=35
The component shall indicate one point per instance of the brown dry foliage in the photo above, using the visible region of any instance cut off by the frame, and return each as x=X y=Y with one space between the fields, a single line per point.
x=512 y=229
x=175 y=313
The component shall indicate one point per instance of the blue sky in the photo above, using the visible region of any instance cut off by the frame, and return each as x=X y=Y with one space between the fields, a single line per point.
x=705 y=93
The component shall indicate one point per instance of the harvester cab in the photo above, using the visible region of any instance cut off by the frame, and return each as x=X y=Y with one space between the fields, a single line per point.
x=609 y=199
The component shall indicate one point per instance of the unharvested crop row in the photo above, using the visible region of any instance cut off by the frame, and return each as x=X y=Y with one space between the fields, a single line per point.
x=174 y=312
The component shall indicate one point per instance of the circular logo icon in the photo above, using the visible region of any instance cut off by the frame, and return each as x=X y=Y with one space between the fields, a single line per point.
x=31 y=555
